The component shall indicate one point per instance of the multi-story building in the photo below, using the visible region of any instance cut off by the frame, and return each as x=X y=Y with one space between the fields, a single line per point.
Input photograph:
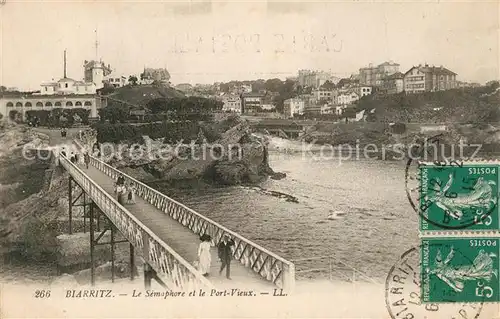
x=96 y=72
x=251 y=102
x=65 y=93
x=16 y=103
x=364 y=90
x=232 y=103
x=348 y=97
x=315 y=78
x=323 y=95
x=374 y=75
x=293 y=106
x=394 y=83
x=117 y=82
x=425 y=78
x=268 y=107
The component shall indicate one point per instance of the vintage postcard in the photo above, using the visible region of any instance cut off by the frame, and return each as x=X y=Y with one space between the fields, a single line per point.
x=249 y=159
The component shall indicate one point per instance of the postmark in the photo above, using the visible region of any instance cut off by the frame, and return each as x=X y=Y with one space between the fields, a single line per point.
x=403 y=294
x=458 y=195
x=460 y=269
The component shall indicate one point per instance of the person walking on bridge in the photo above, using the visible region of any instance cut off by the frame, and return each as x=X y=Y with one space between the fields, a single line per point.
x=86 y=159
x=204 y=255
x=225 y=250
x=119 y=182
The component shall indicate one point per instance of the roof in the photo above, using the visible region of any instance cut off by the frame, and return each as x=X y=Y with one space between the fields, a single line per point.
x=66 y=80
x=253 y=94
x=397 y=75
x=432 y=69
x=388 y=63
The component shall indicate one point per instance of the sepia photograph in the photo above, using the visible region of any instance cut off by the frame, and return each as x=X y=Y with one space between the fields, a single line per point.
x=249 y=159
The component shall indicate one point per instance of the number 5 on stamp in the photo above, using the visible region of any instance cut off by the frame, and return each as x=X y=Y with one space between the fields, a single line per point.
x=459 y=196
x=460 y=269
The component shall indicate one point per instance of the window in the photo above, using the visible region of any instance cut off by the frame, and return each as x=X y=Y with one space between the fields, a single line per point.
x=66 y=85
x=69 y=103
x=57 y=103
x=88 y=103
x=78 y=103
x=19 y=104
x=10 y=104
x=27 y=104
x=39 y=104
x=46 y=88
x=48 y=104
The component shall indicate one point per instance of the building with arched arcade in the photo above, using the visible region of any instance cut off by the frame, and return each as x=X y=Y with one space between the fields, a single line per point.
x=65 y=93
x=21 y=103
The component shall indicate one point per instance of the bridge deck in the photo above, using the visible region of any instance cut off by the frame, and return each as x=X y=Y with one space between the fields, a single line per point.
x=182 y=240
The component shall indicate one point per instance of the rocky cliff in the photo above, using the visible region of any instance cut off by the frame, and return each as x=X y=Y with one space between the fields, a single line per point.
x=237 y=157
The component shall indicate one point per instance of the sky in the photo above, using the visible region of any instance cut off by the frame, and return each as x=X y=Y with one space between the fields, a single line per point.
x=209 y=41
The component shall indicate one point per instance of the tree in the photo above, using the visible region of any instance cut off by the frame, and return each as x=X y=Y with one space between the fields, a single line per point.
x=132 y=80
x=107 y=89
x=328 y=85
x=273 y=85
x=114 y=113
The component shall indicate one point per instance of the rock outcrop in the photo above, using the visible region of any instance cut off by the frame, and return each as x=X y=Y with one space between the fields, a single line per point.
x=237 y=157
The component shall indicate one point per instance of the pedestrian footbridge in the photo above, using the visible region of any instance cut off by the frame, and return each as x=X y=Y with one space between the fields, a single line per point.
x=166 y=234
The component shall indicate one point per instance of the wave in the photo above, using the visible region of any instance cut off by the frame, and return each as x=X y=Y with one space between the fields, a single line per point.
x=260 y=190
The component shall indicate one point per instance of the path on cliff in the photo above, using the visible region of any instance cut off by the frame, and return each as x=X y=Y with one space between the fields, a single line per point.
x=180 y=238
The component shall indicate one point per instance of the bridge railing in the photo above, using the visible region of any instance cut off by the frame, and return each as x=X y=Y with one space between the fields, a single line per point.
x=169 y=266
x=268 y=265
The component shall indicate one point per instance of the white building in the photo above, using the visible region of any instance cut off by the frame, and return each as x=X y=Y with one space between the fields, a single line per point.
x=117 y=81
x=293 y=106
x=315 y=78
x=268 y=107
x=324 y=95
x=346 y=98
x=65 y=93
x=364 y=90
x=232 y=103
x=327 y=109
x=94 y=78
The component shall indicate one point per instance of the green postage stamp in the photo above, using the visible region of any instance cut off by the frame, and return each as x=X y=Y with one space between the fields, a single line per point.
x=459 y=269
x=458 y=196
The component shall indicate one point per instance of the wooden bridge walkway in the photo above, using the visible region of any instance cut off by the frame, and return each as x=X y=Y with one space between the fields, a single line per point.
x=181 y=239
x=166 y=233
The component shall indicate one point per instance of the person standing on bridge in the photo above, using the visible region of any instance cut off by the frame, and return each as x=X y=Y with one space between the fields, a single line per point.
x=121 y=190
x=204 y=255
x=119 y=182
x=225 y=250
x=86 y=159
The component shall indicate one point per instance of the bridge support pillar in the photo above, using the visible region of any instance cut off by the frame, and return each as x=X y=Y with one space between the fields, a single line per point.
x=70 y=201
x=132 y=262
x=149 y=274
x=93 y=224
x=92 y=243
